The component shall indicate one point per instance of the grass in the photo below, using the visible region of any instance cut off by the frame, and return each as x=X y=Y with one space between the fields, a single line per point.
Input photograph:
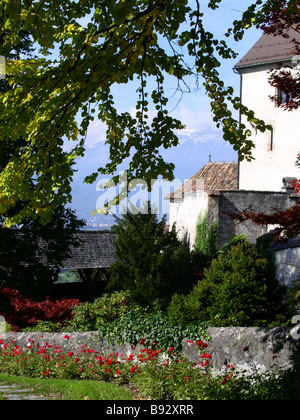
x=63 y=389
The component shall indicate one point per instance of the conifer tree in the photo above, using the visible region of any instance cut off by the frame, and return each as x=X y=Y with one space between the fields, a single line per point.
x=150 y=259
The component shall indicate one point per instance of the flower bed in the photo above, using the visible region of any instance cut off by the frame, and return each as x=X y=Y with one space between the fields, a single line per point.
x=46 y=360
x=158 y=373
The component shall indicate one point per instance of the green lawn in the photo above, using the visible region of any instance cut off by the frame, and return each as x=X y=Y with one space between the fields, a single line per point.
x=63 y=389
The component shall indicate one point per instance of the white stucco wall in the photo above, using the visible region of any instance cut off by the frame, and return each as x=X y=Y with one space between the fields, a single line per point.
x=185 y=214
x=270 y=166
x=288 y=265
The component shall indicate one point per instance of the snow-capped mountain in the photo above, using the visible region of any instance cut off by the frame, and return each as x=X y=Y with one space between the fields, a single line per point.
x=196 y=148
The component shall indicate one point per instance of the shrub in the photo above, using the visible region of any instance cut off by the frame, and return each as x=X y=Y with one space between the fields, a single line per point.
x=237 y=290
x=90 y=316
x=196 y=306
x=242 y=291
x=21 y=312
x=232 y=242
x=153 y=326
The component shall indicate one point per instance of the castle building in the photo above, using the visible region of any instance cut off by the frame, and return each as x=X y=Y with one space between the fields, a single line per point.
x=263 y=184
x=275 y=151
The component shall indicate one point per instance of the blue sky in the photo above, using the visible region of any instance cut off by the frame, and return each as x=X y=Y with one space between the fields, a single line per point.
x=200 y=137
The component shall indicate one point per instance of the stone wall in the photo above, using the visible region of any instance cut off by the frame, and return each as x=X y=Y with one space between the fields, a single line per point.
x=235 y=202
x=288 y=265
x=250 y=349
x=185 y=214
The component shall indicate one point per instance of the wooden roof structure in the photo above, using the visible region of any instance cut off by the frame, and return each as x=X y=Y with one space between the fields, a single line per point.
x=96 y=250
x=92 y=249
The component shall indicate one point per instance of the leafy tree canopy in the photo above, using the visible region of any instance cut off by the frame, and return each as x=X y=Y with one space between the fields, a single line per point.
x=83 y=49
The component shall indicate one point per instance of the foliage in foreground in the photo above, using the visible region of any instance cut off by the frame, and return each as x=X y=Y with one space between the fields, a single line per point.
x=101 y=46
x=157 y=373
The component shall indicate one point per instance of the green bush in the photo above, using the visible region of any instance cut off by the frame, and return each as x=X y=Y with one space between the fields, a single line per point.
x=232 y=242
x=242 y=279
x=90 y=316
x=45 y=326
x=195 y=307
x=151 y=325
x=237 y=290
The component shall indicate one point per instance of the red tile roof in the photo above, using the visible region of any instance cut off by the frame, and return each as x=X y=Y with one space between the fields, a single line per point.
x=213 y=177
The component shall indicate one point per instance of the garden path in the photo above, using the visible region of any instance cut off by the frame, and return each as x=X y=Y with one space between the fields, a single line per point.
x=15 y=393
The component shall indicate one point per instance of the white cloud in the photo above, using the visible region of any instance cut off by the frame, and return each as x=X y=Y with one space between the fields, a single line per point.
x=96 y=134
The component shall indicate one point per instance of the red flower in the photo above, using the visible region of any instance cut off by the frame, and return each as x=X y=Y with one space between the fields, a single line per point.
x=118 y=372
x=66 y=337
x=47 y=372
x=224 y=381
x=70 y=353
x=77 y=360
x=245 y=348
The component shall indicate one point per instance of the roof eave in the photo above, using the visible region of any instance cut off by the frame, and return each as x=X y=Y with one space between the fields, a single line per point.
x=262 y=63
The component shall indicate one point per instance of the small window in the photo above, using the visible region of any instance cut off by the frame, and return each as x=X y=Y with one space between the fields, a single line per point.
x=283 y=97
x=270 y=140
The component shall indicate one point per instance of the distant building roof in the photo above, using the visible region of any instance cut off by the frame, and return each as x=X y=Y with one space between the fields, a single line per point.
x=95 y=251
x=269 y=49
x=213 y=177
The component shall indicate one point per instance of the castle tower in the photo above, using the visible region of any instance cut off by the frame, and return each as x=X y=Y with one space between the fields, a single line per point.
x=275 y=151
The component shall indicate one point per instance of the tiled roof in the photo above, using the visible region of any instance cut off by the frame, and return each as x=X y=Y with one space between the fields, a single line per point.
x=269 y=49
x=213 y=177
